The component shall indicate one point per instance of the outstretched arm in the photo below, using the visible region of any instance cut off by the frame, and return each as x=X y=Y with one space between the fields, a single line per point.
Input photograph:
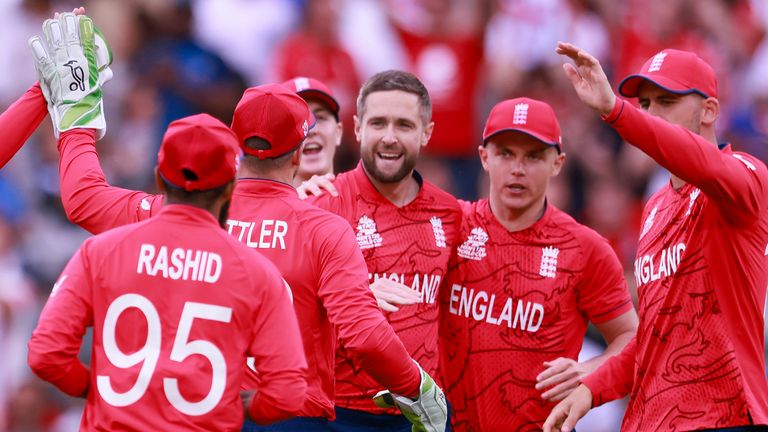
x=20 y=121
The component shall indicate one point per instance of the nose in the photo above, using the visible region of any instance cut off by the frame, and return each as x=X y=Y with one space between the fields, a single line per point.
x=517 y=167
x=389 y=135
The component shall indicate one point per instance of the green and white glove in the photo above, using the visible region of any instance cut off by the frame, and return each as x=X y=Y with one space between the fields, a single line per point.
x=71 y=70
x=428 y=413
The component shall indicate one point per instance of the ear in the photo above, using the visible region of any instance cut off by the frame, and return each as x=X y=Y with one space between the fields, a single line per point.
x=710 y=111
x=339 y=133
x=296 y=156
x=483 y=152
x=159 y=182
x=228 y=191
x=557 y=165
x=427 y=133
x=358 y=127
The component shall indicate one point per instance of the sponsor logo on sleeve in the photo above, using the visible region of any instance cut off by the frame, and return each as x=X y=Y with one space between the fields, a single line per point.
x=648 y=222
x=145 y=205
x=749 y=164
x=695 y=194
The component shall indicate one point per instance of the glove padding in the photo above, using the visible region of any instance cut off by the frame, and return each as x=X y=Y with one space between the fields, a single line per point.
x=428 y=413
x=72 y=67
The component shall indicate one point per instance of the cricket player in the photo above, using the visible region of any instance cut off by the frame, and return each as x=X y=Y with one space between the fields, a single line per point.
x=176 y=304
x=315 y=251
x=697 y=362
x=319 y=147
x=405 y=227
x=524 y=283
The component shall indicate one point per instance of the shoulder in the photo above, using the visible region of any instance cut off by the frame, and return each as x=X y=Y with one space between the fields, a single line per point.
x=585 y=236
x=439 y=199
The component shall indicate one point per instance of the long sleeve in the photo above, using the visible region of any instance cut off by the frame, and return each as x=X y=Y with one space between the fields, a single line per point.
x=20 y=121
x=352 y=309
x=88 y=199
x=614 y=378
x=56 y=341
x=735 y=181
x=278 y=354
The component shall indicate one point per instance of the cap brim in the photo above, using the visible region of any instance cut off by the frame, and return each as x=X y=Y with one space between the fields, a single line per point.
x=630 y=86
x=324 y=97
x=531 y=134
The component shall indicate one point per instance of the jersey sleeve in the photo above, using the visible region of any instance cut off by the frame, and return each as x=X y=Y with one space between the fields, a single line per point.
x=55 y=343
x=602 y=293
x=278 y=352
x=736 y=182
x=88 y=199
x=614 y=378
x=352 y=309
x=20 y=121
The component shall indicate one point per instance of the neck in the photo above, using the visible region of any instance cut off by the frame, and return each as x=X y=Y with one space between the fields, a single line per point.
x=517 y=219
x=284 y=175
x=399 y=193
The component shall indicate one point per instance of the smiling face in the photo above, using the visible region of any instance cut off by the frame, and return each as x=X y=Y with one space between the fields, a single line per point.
x=319 y=147
x=391 y=132
x=519 y=167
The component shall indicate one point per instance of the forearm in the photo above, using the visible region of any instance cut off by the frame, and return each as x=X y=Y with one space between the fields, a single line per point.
x=20 y=121
x=614 y=378
x=280 y=396
x=88 y=200
x=384 y=357
x=67 y=373
x=613 y=348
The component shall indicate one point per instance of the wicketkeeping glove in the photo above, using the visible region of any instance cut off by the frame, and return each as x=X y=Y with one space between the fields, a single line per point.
x=72 y=66
x=428 y=413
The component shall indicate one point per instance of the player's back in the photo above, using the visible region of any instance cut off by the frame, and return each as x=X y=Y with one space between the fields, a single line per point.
x=173 y=319
x=305 y=243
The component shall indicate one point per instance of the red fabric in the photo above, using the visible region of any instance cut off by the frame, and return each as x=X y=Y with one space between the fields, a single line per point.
x=202 y=145
x=321 y=262
x=702 y=273
x=231 y=277
x=613 y=379
x=20 y=121
x=514 y=300
x=275 y=113
x=401 y=244
x=529 y=116
x=453 y=96
x=329 y=290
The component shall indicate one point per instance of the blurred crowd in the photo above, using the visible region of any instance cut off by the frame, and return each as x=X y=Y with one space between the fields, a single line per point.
x=179 y=57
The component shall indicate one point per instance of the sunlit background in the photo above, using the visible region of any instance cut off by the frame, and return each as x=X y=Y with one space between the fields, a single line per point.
x=175 y=58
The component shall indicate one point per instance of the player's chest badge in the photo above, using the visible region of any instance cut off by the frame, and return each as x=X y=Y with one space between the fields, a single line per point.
x=548 y=266
x=474 y=247
x=437 y=230
x=367 y=235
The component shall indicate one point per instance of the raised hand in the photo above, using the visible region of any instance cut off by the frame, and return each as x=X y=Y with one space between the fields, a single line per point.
x=316 y=186
x=588 y=78
x=560 y=378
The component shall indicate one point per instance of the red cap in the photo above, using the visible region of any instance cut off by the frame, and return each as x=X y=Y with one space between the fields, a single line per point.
x=679 y=72
x=274 y=113
x=309 y=87
x=525 y=115
x=198 y=153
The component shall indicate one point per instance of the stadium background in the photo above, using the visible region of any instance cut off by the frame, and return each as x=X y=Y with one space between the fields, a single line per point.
x=175 y=58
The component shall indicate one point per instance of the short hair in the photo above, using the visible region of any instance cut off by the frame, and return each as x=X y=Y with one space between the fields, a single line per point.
x=201 y=198
x=396 y=80
x=267 y=164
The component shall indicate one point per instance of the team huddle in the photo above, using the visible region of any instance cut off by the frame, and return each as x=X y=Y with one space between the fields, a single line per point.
x=253 y=293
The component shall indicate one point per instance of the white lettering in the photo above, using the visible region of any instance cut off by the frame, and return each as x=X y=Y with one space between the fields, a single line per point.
x=478 y=310
x=667 y=264
x=185 y=264
x=454 y=298
x=479 y=306
x=146 y=253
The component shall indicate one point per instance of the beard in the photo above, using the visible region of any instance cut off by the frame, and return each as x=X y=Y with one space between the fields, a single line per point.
x=406 y=167
x=224 y=214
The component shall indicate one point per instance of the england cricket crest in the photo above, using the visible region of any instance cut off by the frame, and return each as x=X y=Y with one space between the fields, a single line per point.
x=367 y=235
x=437 y=230
x=548 y=267
x=474 y=247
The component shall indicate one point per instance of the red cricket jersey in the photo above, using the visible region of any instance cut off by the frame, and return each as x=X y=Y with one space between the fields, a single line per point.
x=176 y=305
x=698 y=358
x=20 y=121
x=314 y=250
x=514 y=300
x=409 y=244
